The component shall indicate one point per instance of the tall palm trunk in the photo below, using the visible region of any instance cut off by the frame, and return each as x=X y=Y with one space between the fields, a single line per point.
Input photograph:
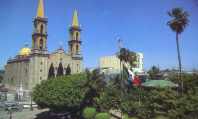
x=121 y=69
x=179 y=60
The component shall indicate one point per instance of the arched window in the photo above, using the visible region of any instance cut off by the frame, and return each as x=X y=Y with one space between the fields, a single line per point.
x=71 y=48
x=51 y=73
x=41 y=44
x=77 y=68
x=41 y=30
x=68 y=70
x=77 y=49
x=77 y=35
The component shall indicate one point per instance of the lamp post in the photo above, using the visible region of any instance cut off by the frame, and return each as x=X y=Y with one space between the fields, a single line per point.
x=10 y=112
x=121 y=68
x=31 y=107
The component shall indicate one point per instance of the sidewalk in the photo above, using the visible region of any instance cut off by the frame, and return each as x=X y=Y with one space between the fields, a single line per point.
x=25 y=114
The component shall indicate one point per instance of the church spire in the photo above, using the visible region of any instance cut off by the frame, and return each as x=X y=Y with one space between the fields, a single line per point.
x=75 y=40
x=39 y=35
x=75 y=19
x=40 y=10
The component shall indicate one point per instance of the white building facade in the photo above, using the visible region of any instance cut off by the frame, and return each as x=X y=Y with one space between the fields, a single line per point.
x=113 y=63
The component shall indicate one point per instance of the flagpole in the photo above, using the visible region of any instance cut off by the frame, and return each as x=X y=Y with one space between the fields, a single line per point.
x=119 y=48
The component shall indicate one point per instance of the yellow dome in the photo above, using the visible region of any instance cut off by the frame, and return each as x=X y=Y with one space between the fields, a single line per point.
x=25 y=51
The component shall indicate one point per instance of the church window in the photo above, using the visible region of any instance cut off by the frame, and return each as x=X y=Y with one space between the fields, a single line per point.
x=41 y=44
x=41 y=70
x=41 y=30
x=40 y=78
x=77 y=35
x=77 y=49
x=26 y=71
x=41 y=63
x=77 y=67
x=71 y=48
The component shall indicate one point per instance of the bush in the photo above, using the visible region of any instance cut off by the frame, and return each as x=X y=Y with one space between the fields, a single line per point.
x=133 y=118
x=126 y=116
x=161 y=117
x=102 y=116
x=89 y=113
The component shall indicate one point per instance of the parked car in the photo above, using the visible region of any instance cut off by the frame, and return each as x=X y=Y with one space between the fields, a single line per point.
x=29 y=106
x=13 y=106
x=2 y=106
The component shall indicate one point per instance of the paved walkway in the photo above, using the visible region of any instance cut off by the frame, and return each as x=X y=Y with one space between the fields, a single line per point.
x=25 y=114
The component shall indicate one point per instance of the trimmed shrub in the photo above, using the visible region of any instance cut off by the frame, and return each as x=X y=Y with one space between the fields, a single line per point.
x=126 y=116
x=89 y=113
x=133 y=118
x=102 y=116
x=161 y=117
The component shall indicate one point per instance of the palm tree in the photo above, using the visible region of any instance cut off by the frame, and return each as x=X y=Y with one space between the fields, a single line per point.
x=126 y=56
x=123 y=57
x=178 y=23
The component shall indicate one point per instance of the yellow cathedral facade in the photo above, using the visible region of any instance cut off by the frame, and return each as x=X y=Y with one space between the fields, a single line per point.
x=32 y=65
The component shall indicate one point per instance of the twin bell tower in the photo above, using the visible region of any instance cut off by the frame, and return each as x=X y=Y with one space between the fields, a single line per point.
x=39 y=35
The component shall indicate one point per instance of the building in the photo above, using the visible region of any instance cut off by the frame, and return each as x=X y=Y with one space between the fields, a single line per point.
x=113 y=63
x=31 y=65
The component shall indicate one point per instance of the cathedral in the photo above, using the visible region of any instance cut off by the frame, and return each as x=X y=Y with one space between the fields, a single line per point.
x=32 y=65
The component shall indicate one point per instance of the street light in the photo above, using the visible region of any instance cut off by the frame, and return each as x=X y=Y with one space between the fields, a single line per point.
x=10 y=112
x=31 y=107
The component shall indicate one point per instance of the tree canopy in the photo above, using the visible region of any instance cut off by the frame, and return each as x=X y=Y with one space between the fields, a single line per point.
x=62 y=93
x=154 y=72
x=179 y=19
x=74 y=93
x=125 y=55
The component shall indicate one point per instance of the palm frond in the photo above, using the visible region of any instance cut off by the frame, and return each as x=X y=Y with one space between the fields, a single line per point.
x=179 y=19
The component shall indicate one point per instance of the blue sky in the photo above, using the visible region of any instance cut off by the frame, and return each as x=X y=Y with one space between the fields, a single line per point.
x=141 y=24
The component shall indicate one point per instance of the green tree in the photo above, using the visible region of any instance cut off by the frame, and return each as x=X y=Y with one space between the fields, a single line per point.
x=1 y=78
x=95 y=84
x=178 y=23
x=89 y=113
x=62 y=93
x=154 y=72
x=102 y=116
x=60 y=70
x=51 y=71
x=126 y=56
x=2 y=72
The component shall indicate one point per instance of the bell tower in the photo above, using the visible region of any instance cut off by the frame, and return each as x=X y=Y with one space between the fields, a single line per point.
x=39 y=35
x=39 y=55
x=75 y=32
